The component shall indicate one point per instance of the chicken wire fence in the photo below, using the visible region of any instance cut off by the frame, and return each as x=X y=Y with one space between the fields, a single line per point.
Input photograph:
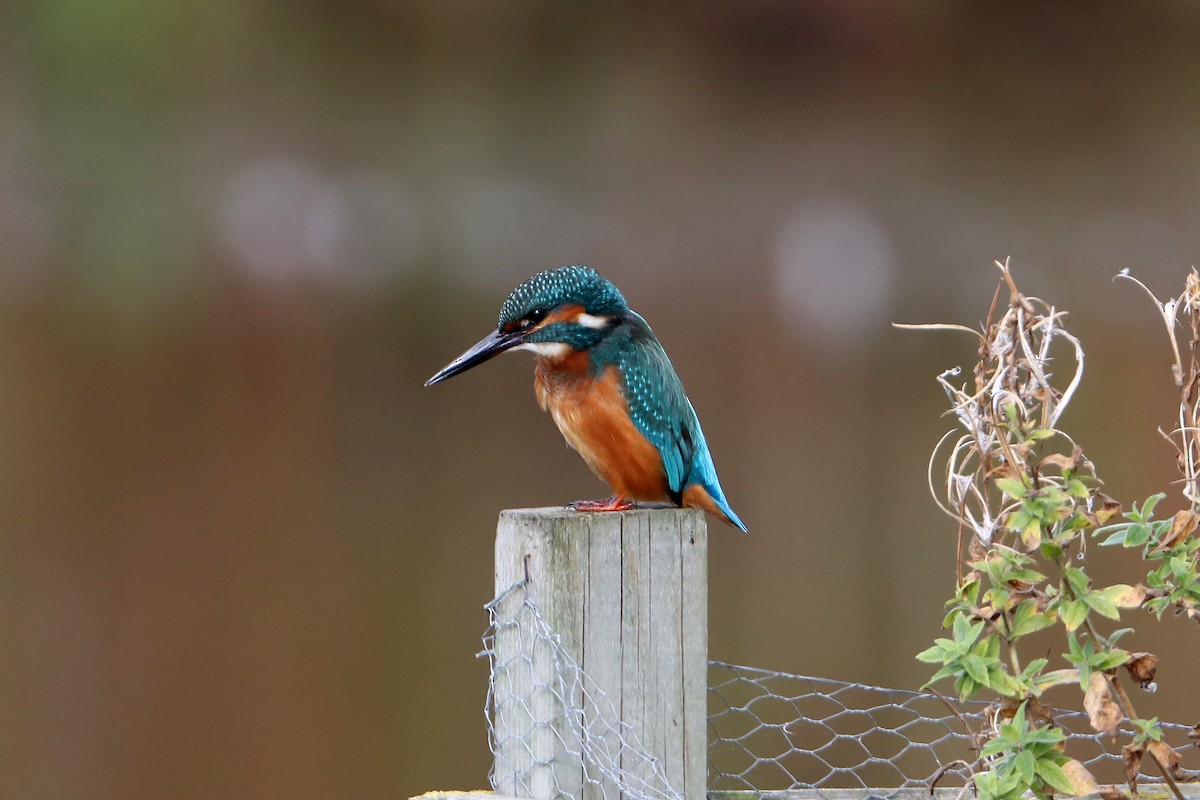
x=766 y=730
x=772 y=730
x=553 y=732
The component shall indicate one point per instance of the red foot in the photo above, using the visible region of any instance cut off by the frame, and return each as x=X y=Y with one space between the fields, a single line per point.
x=615 y=503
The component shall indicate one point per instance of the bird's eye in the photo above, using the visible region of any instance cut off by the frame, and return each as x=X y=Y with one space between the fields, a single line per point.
x=533 y=318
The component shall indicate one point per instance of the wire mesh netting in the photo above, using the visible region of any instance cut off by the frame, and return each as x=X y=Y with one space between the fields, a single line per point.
x=555 y=733
x=772 y=730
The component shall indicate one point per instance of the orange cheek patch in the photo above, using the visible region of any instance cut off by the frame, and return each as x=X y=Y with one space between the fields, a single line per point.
x=568 y=313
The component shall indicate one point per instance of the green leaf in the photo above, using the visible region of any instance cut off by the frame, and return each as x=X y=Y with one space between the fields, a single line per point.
x=993 y=786
x=1002 y=683
x=994 y=747
x=1053 y=775
x=1117 y=537
x=1077 y=579
x=998 y=596
x=1080 y=656
x=1077 y=522
x=1024 y=765
x=964 y=632
x=1147 y=510
x=989 y=647
x=1110 y=659
x=1075 y=488
x=1077 y=651
x=976 y=668
x=933 y=655
x=1046 y=737
x=1020 y=519
x=1025 y=575
x=1158 y=578
x=1117 y=634
x=1052 y=550
x=1102 y=605
x=1013 y=487
x=1147 y=729
x=948 y=671
x=987 y=786
x=1073 y=613
x=1027 y=619
x=969 y=591
x=1058 y=677
x=1010 y=787
x=1017 y=723
x=1136 y=535
x=1123 y=595
x=1033 y=668
x=1039 y=434
x=1031 y=536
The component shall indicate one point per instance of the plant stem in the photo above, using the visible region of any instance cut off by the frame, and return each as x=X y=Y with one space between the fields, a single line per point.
x=1122 y=697
x=1167 y=776
x=1131 y=714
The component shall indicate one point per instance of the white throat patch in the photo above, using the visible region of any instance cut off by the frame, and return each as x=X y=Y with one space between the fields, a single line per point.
x=555 y=350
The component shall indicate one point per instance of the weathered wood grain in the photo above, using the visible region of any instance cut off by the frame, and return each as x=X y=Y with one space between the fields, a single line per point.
x=627 y=594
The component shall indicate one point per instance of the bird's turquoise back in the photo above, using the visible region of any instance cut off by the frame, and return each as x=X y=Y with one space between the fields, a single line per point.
x=661 y=410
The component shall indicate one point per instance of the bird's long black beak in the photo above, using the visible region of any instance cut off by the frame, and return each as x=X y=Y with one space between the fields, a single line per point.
x=493 y=344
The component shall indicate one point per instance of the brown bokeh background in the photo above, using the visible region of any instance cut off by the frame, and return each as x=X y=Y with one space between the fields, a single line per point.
x=243 y=553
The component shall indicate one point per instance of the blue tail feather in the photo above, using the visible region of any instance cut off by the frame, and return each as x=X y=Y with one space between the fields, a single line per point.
x=704 y=474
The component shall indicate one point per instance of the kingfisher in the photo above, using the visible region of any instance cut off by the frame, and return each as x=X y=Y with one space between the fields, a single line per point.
x=610 y=388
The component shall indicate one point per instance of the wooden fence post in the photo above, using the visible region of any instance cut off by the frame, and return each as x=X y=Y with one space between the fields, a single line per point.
x=627 y=596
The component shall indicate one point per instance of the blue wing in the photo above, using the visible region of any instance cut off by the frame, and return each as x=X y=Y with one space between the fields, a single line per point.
x=663 y=414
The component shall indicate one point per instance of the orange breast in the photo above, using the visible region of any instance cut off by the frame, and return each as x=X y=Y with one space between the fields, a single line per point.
x=594 y=418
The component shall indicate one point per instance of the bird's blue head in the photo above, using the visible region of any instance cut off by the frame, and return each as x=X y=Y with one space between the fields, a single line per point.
x=553 y=313
x=573 y=306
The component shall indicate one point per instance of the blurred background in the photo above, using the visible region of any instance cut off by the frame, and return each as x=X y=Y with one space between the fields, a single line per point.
x=243 y=553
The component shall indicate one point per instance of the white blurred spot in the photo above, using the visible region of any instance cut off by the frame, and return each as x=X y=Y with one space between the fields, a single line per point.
x=284 y=221
x=25 y=231
x=833 y=271
x=25 y=217
x=281 y=220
